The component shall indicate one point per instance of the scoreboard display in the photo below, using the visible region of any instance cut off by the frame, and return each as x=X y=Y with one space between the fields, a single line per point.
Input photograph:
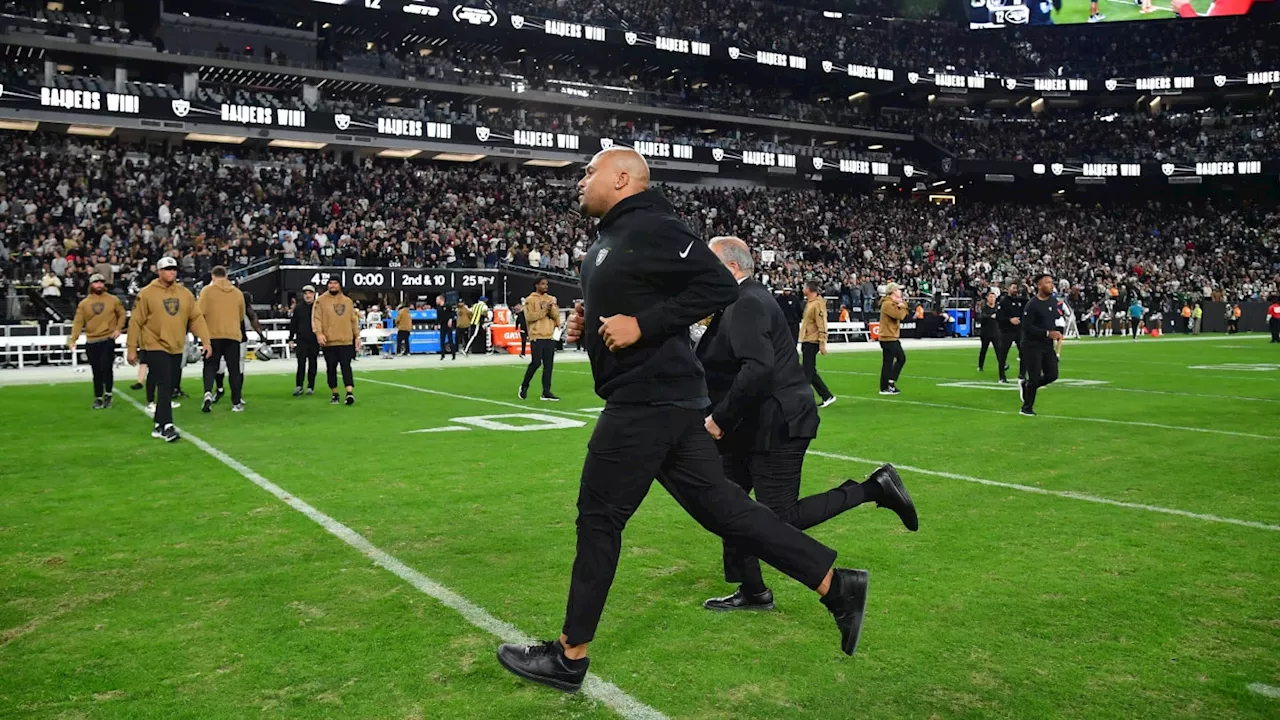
x=987 y=14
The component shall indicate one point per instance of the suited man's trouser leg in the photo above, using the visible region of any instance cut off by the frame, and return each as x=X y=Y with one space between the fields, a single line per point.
x=775 y=478
x=631 y=445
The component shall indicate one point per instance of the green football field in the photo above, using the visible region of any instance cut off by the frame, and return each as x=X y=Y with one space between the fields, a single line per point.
x=1077 y=11
x=1116 y=557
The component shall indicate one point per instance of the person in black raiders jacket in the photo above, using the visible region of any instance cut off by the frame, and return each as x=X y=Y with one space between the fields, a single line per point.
x=1042 y=324
x=989 y=329
x=1008 y=318
x=645 y=280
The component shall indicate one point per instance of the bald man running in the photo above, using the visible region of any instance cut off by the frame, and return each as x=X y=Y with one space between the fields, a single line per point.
x=645 y=280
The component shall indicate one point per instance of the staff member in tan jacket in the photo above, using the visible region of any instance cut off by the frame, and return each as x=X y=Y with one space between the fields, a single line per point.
x=893 y=308
x=337 y=326
x=163 y=313
x=404 y=325
x=463 y=334
x=101 y=316
x=813 y=339
x=223 y=307
x=542 y=313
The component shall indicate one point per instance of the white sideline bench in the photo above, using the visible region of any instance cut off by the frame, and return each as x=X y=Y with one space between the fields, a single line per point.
x=848 y=331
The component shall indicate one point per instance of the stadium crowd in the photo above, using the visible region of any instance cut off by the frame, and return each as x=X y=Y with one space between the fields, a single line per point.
x=69 y=209
x=1219 y=134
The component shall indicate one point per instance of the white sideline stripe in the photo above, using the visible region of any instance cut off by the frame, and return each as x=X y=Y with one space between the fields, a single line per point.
x=446 y=428
x=1106 y=421
x=1056 y=493
x=1265 y=690
x=441 y=393
x=980 y=481
x=595 y=688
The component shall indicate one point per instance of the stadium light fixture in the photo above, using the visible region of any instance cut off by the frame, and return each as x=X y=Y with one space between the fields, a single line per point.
x=940 y=182
x=549 y=163
x=400 y=154
x=859 y=96
x=90 y=130
x=212 y=138
x=298 y=144
x=459 y=157
x=877 y=146
x=23 y=125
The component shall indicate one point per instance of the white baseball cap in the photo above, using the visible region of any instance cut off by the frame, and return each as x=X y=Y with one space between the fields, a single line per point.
x=165 y=263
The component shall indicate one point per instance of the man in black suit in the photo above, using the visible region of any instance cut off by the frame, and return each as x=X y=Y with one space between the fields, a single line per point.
x=764 y=416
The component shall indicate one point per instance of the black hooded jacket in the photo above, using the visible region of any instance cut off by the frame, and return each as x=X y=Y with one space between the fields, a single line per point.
x=648 y=264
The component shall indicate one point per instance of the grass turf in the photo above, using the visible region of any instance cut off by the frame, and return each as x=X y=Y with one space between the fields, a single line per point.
x=149 y=580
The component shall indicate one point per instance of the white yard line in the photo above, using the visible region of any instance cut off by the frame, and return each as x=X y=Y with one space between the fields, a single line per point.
x=1108 y=386
x=1074 y=418
x=1265 y=690
x=1056 y=493
x=595 y=688
x=953 y=476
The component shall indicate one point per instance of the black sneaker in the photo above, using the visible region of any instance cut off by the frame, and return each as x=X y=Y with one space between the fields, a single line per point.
x=207 y=405
x=524 y=393
x=741 y=601
x=311 y=391
x=170 y=433
x=1028 y=413
x=218 y=395
x=297 y=392
x=156 y=432
x=549 y=397
x=334 y=400
x=179 y=394
x=847 y=600
x=136 y=386
x=351 y=399
x=895 y=497
x=97 y=403
x=544 y=663
x=106 y=401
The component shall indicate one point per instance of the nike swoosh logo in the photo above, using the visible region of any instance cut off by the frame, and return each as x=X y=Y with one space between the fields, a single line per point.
x=685 y=254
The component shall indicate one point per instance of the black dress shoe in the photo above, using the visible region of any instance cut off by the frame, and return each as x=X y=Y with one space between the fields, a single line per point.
x=895 y=496
x=847 y=600
x=544 y=663
x=741 y=601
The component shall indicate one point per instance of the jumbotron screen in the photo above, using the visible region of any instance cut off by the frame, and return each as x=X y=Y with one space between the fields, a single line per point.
x=985 y=14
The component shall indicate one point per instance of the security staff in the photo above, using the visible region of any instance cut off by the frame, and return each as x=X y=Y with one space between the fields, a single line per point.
x=163 y=313
x=763 y=417
x=404 y=326
x=223 y=307
x=1273 y=318
x=101 y=316
x=448 y=328
x=303 y=339
x=463 y=314
x=542 y=313
x=336 y=324
x=893 y=308
x=1009 y=317
x=1042 y=325
x=988 y=328
x=813 y=339
x=522 y=324
x=645 y=280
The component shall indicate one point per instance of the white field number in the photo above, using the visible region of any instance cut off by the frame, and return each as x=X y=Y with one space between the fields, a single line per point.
x=530 y=422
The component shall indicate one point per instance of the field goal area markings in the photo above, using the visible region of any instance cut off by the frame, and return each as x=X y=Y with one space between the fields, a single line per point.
x=935 y=473
x=597 y=689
